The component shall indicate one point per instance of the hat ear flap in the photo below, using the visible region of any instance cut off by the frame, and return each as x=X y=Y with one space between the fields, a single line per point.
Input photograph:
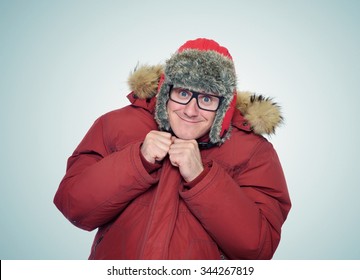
x=228 y=116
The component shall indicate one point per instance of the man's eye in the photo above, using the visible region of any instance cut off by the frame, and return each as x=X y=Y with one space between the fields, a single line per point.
x=207 y=99
x=183 y=94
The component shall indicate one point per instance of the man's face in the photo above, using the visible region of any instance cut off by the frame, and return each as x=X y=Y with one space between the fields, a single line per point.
x=188 y=121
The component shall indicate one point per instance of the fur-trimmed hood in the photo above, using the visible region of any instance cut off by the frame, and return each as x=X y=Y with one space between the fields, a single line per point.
x=263 y=114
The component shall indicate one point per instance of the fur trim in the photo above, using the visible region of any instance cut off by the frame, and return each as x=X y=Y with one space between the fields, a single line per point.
x=263 y=114
x=144 y=80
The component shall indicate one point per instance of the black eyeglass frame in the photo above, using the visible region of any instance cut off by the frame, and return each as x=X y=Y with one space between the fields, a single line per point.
x=195 y=95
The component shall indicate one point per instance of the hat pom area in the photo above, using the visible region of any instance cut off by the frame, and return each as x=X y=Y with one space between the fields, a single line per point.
x=144 y=80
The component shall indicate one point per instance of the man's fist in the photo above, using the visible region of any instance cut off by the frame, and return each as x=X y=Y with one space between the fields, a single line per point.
x=156 y=146
x=185 y=154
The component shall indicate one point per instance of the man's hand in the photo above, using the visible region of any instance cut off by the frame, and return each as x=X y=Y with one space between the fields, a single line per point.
x=185 y=154
x=156 y=146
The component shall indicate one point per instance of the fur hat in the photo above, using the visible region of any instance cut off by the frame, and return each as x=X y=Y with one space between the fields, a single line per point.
x=262 y=113
x=201 y=65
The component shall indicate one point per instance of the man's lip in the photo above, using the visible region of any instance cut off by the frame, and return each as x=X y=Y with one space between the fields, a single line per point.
x=187 y=120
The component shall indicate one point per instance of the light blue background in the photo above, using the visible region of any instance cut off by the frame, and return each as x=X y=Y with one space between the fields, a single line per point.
x=64 y=63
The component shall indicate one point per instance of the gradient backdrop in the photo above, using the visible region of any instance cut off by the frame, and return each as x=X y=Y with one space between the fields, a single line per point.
x=64 y=63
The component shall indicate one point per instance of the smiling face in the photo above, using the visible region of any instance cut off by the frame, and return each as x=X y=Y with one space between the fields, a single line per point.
x=188 y=121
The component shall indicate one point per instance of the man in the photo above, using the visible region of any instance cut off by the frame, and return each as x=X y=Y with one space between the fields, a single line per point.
x=182 y=172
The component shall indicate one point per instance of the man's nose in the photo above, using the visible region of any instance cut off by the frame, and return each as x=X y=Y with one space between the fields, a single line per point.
x=191 y=109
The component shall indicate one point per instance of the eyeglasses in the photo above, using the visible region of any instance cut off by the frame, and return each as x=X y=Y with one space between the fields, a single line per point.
x=207 y=102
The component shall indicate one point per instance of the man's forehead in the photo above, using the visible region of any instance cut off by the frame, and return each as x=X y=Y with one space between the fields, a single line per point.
x=201 y=91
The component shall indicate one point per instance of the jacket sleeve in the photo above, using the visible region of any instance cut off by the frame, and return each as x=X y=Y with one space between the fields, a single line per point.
x=244 y=212
x=98 y=184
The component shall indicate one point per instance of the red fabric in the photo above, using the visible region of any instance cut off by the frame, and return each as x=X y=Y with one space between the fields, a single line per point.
x=237 y=209
x=150 y=167
x=198 y=179
x=161 y=81
x=203 y=44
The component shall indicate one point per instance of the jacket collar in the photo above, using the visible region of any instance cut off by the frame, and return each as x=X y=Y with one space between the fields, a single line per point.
x=147 y=104
x=240 y=122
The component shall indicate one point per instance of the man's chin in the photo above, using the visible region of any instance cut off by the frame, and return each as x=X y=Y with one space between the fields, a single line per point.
x=186 y=136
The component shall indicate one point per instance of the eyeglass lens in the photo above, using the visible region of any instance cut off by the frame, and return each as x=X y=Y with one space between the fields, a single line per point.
x=205 y=101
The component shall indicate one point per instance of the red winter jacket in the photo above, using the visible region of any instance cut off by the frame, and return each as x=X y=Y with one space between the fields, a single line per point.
x=236 y=211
